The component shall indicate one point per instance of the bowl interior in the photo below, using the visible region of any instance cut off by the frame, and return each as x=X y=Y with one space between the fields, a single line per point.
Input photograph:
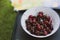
x=47 y=11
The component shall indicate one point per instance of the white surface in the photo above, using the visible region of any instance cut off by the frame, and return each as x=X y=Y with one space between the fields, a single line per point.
x=26 y=4
x=34 y=11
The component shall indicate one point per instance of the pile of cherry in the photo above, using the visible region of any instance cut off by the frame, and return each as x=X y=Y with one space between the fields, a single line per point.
x=39 y=25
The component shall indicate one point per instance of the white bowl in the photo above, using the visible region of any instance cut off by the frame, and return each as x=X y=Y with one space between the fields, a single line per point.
x=34 y=11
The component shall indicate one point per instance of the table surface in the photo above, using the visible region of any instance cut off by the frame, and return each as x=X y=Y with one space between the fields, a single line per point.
x=20 y=34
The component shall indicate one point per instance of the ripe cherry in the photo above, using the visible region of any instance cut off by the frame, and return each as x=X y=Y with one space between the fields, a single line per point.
x=30 y=16
x=34 y=20
x=28 y=27
x=45 y=32
x=46 y=22
x=40 y=14
x=38 y=27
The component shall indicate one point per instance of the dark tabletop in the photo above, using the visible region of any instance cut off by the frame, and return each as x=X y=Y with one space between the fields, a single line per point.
x=20 y=34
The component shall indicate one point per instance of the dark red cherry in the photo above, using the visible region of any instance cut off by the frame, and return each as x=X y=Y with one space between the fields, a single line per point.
x=34 y=19
x=45 y=32
x=38 y=27
x=30 y=16
x=28 y=27
x=40 y=14
x=46 y=22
